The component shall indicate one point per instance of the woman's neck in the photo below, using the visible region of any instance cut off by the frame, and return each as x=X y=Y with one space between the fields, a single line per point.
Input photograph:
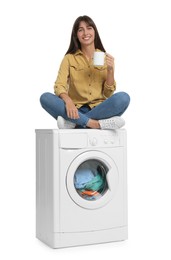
x=88 y=51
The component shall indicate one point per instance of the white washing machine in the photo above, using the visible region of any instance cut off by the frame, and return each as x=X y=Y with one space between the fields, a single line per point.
x=81 y=187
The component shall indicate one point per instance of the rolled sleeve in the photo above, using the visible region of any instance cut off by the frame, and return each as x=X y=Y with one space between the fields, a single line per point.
x=109 y=90
x=61 y=83
x=59 y=90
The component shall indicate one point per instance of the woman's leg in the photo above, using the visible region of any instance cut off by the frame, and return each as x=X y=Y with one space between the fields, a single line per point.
x=55 y=106
x=113 y=106
x=52 y=104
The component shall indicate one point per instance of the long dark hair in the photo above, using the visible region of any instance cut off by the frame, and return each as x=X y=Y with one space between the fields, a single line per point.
x=75 y=44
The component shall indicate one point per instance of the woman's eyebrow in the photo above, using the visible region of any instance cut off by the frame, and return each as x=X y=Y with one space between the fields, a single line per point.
x=83 y=27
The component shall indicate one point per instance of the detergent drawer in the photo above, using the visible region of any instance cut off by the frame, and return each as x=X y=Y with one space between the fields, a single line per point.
x=73 y=141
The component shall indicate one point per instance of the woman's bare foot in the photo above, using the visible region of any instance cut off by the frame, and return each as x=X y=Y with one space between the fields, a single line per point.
x=93 y=124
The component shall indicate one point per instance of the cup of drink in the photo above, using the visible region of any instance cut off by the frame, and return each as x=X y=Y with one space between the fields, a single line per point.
x=98 y=58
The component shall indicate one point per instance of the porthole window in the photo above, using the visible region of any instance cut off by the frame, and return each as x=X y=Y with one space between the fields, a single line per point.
x=90 y=179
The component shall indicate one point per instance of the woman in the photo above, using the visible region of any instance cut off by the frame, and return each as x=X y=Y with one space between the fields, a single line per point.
x=83 y=92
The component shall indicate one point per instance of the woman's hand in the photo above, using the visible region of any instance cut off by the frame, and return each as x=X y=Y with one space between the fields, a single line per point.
x=72 y=111
x=110 y=62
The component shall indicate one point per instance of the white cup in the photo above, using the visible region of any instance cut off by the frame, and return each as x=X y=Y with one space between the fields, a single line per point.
x=98 y=58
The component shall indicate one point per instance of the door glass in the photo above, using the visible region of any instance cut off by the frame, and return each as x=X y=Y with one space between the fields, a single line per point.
x=90 y=179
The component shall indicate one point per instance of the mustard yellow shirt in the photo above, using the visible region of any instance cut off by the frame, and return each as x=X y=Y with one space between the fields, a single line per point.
x=82 y=81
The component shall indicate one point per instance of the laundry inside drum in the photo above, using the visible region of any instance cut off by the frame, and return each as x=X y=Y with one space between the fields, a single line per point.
x=90 y=179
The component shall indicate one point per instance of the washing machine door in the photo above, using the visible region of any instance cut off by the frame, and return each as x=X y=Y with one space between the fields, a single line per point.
x=92 y=179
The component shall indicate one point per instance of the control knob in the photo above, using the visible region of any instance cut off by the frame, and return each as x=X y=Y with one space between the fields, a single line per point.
x=93 y=141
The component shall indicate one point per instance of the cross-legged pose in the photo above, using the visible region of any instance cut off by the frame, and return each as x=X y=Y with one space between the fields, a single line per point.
x=83 y=92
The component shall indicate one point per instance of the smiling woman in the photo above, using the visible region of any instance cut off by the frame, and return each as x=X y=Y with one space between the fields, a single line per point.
x=83 y=25
x=84 y=92
x=85 y=34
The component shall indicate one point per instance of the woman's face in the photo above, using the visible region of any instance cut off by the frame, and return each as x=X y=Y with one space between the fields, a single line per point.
x=85 y=34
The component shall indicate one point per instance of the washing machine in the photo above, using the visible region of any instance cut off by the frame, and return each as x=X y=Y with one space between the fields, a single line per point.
x=81 y=186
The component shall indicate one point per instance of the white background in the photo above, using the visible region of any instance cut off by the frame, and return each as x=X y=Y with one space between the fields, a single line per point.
x=34 y=38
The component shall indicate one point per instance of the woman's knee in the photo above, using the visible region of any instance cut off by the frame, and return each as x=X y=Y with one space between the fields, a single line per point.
x=124 y=98
x=44 y=98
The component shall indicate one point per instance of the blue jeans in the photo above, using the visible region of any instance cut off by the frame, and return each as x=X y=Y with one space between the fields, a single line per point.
x=113 y=106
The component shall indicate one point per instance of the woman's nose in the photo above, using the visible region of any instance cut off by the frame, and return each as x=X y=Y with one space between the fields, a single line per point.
x=85 y=32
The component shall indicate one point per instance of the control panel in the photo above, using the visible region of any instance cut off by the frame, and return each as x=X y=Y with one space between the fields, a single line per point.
x=104 y=140
x=79 y=139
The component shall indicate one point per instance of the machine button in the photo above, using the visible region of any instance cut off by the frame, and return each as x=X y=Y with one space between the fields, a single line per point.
x=93 y=141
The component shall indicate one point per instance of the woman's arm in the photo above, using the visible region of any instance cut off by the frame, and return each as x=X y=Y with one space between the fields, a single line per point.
x=109 y=84
x=110 y=70
x=61 y=89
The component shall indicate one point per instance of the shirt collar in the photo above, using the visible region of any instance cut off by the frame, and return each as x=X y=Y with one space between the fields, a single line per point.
x=80 y=52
